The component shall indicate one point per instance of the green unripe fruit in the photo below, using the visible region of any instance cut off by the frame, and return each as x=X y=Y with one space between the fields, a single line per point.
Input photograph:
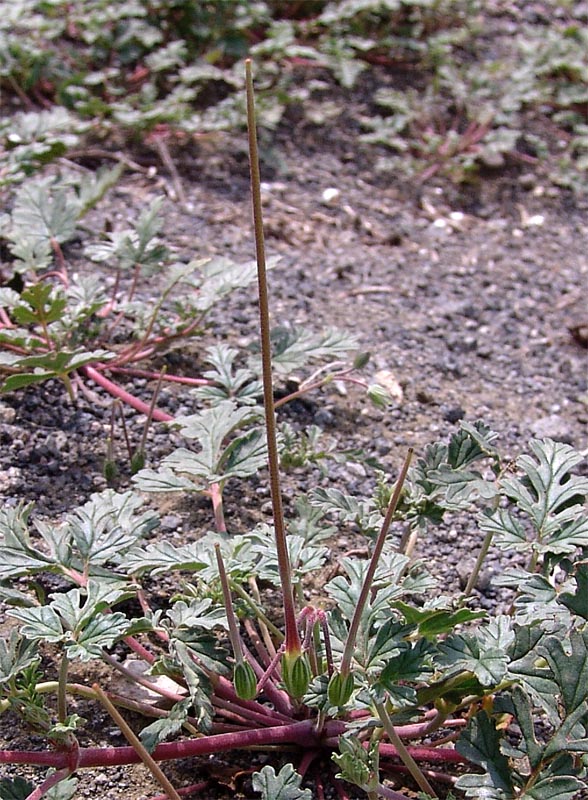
x=110 y=470
x=137 y=461
x=296 y=675
x=245 y=681
x=340 y=688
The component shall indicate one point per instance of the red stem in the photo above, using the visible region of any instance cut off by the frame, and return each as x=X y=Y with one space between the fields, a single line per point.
x=224 y=688
x=195 y=787
x=117 y=391
x=216 y=496
x=299 y=733
x=144 y=373
x=435 y=755
x=49 y=783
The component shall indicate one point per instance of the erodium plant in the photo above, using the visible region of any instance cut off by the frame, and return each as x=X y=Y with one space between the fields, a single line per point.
x=70 y=326
x=386 y=683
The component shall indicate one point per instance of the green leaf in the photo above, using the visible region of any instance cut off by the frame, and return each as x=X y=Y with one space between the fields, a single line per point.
x=138 y=246
x=164 y=479
x=77 y=607
x=470 y=444
x=389 y=642
x=16 y=654
x=469 y=653
x=240 y=385
x=92 y=188
x=508 y=532
x=357 y=764
x=433 y=622
x=536 y=600
x=462 y=486
x=347 y=509
x=18 y=556
x=293 y=348
x=568 y=661
x=44 y=303
x=15 y=382
x=551 y=496
x=221 y=276
x=412 y=664
x=555 y=782
x=19 y=789
x=77 y=619
x=39 y=623
x=52 y=365
x=345 y=591
x=244 y=456
x=163 y=557
x=197 y=682
x=523 y=711
x=283 y=786
x=577 y=602
x=44 y=211
x=303 y=559
x=105 y=527
x=64 y=790
x=529 y=667
x=480 y=743
x=219 y=459
x=15 y=789
x=196 y=614
x=167 y=726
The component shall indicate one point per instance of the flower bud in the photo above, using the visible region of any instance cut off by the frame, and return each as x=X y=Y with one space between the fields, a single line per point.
x=245 y=680
x=296 y=675
x=340 y=688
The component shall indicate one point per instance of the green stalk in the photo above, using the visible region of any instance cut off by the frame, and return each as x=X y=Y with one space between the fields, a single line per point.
x=481 y=557
x=292 y=644
x=403 y=753
x=138 y=458
x=137 y=745
x=369 y=578
x=62 y=689
x=244 y=678
x=233 y=630
x=257 y=612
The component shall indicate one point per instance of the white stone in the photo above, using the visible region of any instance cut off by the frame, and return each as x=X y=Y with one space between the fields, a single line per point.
x=330 y=196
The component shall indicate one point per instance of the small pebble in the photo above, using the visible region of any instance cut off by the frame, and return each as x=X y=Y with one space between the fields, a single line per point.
x=330 y=196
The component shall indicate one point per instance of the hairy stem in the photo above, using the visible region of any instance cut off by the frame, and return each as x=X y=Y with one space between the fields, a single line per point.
x=137 y=745
x=402 y=751
x=293 y=647
x=366 y=588
x=232 y=622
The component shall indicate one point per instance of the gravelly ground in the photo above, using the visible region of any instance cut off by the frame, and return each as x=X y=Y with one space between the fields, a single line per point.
x=466 y=297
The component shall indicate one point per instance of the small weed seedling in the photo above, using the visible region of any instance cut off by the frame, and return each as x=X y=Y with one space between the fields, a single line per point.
x=388 y=682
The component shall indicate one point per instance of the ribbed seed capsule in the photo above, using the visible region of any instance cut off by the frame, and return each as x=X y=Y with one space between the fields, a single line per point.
x=340 y=688
x=245 y=681
x=296 y=675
